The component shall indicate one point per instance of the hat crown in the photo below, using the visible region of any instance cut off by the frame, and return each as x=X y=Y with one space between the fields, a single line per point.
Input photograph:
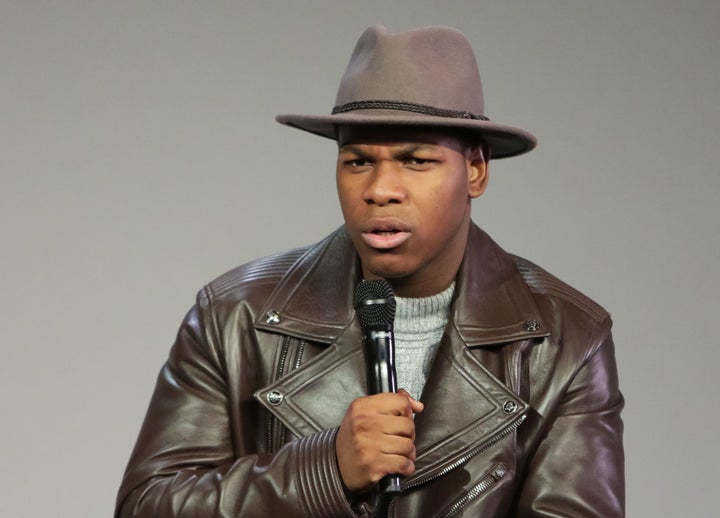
x=433 y=66
x=426 y=77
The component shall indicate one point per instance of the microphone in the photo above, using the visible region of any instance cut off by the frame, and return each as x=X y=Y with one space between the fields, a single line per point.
x=374 y=304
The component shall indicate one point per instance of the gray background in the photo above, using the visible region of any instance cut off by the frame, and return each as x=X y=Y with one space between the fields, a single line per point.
x=140 y=159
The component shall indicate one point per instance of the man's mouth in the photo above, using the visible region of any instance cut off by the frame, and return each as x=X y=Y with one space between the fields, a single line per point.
x=384 y=239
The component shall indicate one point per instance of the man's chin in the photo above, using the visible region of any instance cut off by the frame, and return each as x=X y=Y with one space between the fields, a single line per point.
x=385 y=267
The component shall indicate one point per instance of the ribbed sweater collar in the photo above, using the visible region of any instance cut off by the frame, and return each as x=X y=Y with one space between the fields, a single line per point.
x=423 y=313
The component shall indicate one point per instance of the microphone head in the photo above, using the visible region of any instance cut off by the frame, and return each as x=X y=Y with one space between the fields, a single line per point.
x=374 y=303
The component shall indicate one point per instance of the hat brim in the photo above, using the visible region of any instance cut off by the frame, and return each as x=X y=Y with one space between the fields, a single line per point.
x=505 y=141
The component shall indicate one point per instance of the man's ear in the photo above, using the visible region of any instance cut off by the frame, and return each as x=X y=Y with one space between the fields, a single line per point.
x=477 y=165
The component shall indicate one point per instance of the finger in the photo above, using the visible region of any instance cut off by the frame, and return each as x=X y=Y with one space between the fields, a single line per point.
x=396 y=425
x=390 y=464
x=388 y=403
x=397 y=446
x=384 y=444
x=415 y=405
x=396 y=456
x=379 y=425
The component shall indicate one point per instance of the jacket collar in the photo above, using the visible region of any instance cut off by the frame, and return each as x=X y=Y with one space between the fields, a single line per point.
x=314 y=299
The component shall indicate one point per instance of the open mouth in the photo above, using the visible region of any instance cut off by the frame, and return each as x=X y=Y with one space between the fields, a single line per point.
x=385 y=238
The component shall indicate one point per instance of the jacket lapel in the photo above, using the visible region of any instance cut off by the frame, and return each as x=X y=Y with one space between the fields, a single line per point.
x=316 y=395
x=466 y=407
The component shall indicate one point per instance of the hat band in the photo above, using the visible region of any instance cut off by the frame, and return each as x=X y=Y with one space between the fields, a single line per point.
x=406 y=107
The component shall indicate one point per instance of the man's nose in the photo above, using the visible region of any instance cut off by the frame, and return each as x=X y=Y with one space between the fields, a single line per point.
x=385 y=185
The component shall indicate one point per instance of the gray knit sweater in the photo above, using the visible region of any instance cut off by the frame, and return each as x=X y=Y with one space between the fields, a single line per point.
x=419 y=326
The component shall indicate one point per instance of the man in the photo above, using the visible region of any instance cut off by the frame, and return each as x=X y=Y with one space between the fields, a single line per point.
x=510 y=403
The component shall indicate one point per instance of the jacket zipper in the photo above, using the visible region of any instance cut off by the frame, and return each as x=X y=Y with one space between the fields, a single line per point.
x=299 y=354
x=272 y=421
x=298 y=362
x=462 y=460
x=275 y=428
x=487 y=483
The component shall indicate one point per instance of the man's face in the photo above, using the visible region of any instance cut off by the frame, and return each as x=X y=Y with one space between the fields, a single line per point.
x=405 y=195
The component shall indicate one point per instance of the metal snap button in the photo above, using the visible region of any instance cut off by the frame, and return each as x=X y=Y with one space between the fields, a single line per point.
x=510 y=407
x=274 y=397
x=531 y=325
x=272 y=317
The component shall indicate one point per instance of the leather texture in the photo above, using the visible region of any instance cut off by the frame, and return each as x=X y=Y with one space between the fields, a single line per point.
x=522 y=406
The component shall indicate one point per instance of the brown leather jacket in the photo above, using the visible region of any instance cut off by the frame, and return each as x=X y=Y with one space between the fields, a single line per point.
x=522 y=407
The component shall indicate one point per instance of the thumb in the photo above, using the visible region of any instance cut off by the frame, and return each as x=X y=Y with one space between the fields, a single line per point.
x=416 y=405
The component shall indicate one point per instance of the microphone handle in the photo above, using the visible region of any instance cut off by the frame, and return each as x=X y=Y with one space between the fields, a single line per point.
x=379 y=348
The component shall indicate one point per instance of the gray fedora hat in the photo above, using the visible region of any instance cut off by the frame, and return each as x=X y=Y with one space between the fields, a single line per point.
x=425 y=77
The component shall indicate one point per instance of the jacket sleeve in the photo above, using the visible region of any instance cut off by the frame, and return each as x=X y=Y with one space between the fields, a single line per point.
x=186 y=461
x=578 y=467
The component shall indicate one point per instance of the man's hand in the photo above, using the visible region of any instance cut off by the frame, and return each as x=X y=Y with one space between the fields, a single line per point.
x=377 y=438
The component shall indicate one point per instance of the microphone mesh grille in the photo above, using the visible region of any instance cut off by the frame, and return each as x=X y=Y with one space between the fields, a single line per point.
x=374 y=303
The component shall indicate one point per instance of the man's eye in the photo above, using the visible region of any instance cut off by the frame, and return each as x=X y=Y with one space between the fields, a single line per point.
x=358 y=162
x=418 y=162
